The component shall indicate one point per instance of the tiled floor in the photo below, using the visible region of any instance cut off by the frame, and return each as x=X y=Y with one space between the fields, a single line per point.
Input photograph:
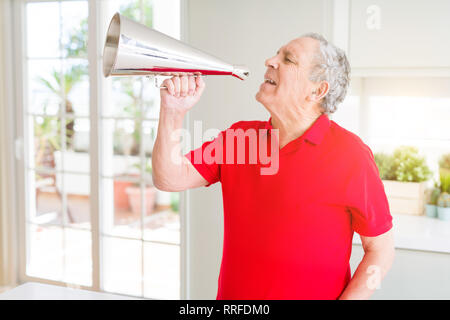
x=129 y=265
x=78 y=207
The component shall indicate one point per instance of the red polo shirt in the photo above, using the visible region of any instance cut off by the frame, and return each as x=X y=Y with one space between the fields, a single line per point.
x=289 y=235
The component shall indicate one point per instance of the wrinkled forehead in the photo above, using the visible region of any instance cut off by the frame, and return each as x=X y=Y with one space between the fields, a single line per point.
x=302 y=48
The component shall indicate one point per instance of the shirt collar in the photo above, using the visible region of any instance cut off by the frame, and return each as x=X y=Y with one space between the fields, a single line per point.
x=315 y=133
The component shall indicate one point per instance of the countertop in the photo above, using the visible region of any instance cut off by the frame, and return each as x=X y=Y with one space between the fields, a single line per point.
x=419 y=233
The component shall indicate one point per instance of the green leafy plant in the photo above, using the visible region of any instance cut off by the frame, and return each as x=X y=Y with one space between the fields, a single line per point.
x=405 y=165
x=409 y=166
x=46 y=139
x=141 y=11
x=133 y=110
x=385 y=164
x=45 y=129
x=175 y=201
x=148 y=166
x=444 y=172
x=444 y=200
x=147 y=170
x=76 y=46
x=62 y=83
x=444 y=178
x=434 y=196
x=444 y=161
x=137 y=106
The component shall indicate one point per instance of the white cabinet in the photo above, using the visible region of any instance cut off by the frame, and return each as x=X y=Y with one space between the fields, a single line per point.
x=399 y=34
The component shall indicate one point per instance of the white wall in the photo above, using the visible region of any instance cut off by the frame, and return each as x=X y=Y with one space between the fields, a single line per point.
x=240 y=32
x=248 y=32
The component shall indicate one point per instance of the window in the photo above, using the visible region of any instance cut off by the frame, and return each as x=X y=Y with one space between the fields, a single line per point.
x=391 y=112
x=410 y=112
x=92 y=217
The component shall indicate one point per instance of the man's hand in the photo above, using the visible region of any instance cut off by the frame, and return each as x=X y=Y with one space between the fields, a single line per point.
x=171 y=170
x=182 y=93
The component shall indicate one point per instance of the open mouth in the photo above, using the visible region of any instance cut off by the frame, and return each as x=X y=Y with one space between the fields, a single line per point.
x=270 y=81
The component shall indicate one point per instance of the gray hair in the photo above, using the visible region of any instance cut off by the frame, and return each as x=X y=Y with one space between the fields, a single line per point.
x=331 y=65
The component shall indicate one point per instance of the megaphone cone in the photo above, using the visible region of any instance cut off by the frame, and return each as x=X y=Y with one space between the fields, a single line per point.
x=134 y=49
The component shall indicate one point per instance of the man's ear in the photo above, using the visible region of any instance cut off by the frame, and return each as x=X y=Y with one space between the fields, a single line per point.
x=321 y=91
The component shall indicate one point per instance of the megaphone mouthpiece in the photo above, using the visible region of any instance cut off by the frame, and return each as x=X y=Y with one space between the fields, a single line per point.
x=241 y=72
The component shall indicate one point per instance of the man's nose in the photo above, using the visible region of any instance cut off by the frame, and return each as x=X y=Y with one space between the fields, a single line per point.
x=271 y=62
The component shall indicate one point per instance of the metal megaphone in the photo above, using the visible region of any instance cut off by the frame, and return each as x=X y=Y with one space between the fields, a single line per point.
x=132 y=49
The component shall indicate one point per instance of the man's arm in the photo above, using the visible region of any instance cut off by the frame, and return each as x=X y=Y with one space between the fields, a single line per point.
x=379 y=254
x=171 y=170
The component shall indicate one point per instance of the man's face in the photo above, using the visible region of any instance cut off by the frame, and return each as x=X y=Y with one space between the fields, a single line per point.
x=286 y=82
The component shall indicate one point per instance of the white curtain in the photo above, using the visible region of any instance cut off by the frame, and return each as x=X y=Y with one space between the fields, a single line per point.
x=2 y=169
x=7 y=272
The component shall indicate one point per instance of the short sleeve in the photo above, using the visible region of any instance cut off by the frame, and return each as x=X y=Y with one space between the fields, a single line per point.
x=367 y=201
x=207 y=159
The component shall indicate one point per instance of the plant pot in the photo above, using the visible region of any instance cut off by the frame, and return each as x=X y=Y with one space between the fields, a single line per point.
x=120 y=195
x=134 y=198
x=443 y=213
x=431 y=210
x=405 y=197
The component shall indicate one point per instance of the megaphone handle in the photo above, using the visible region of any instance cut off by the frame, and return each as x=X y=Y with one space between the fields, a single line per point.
x=164 y=87
x=156 y=83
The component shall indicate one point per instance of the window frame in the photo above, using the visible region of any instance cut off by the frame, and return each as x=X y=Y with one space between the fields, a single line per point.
x=18 y=26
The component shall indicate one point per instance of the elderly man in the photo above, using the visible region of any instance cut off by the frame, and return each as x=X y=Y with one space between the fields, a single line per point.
x=288 y=235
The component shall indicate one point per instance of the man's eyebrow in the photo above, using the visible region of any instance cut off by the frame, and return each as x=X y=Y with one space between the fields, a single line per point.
x=287 y=53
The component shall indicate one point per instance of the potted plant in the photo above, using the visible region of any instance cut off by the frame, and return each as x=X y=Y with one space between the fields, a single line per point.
x=385 y=164
x=120 y=195
x=443 y=203
x=431 y=206
x=129 y=144
x=444 y=163
x=443 y=209
x=46 y=140
x=134 y=193
x=404 y=176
